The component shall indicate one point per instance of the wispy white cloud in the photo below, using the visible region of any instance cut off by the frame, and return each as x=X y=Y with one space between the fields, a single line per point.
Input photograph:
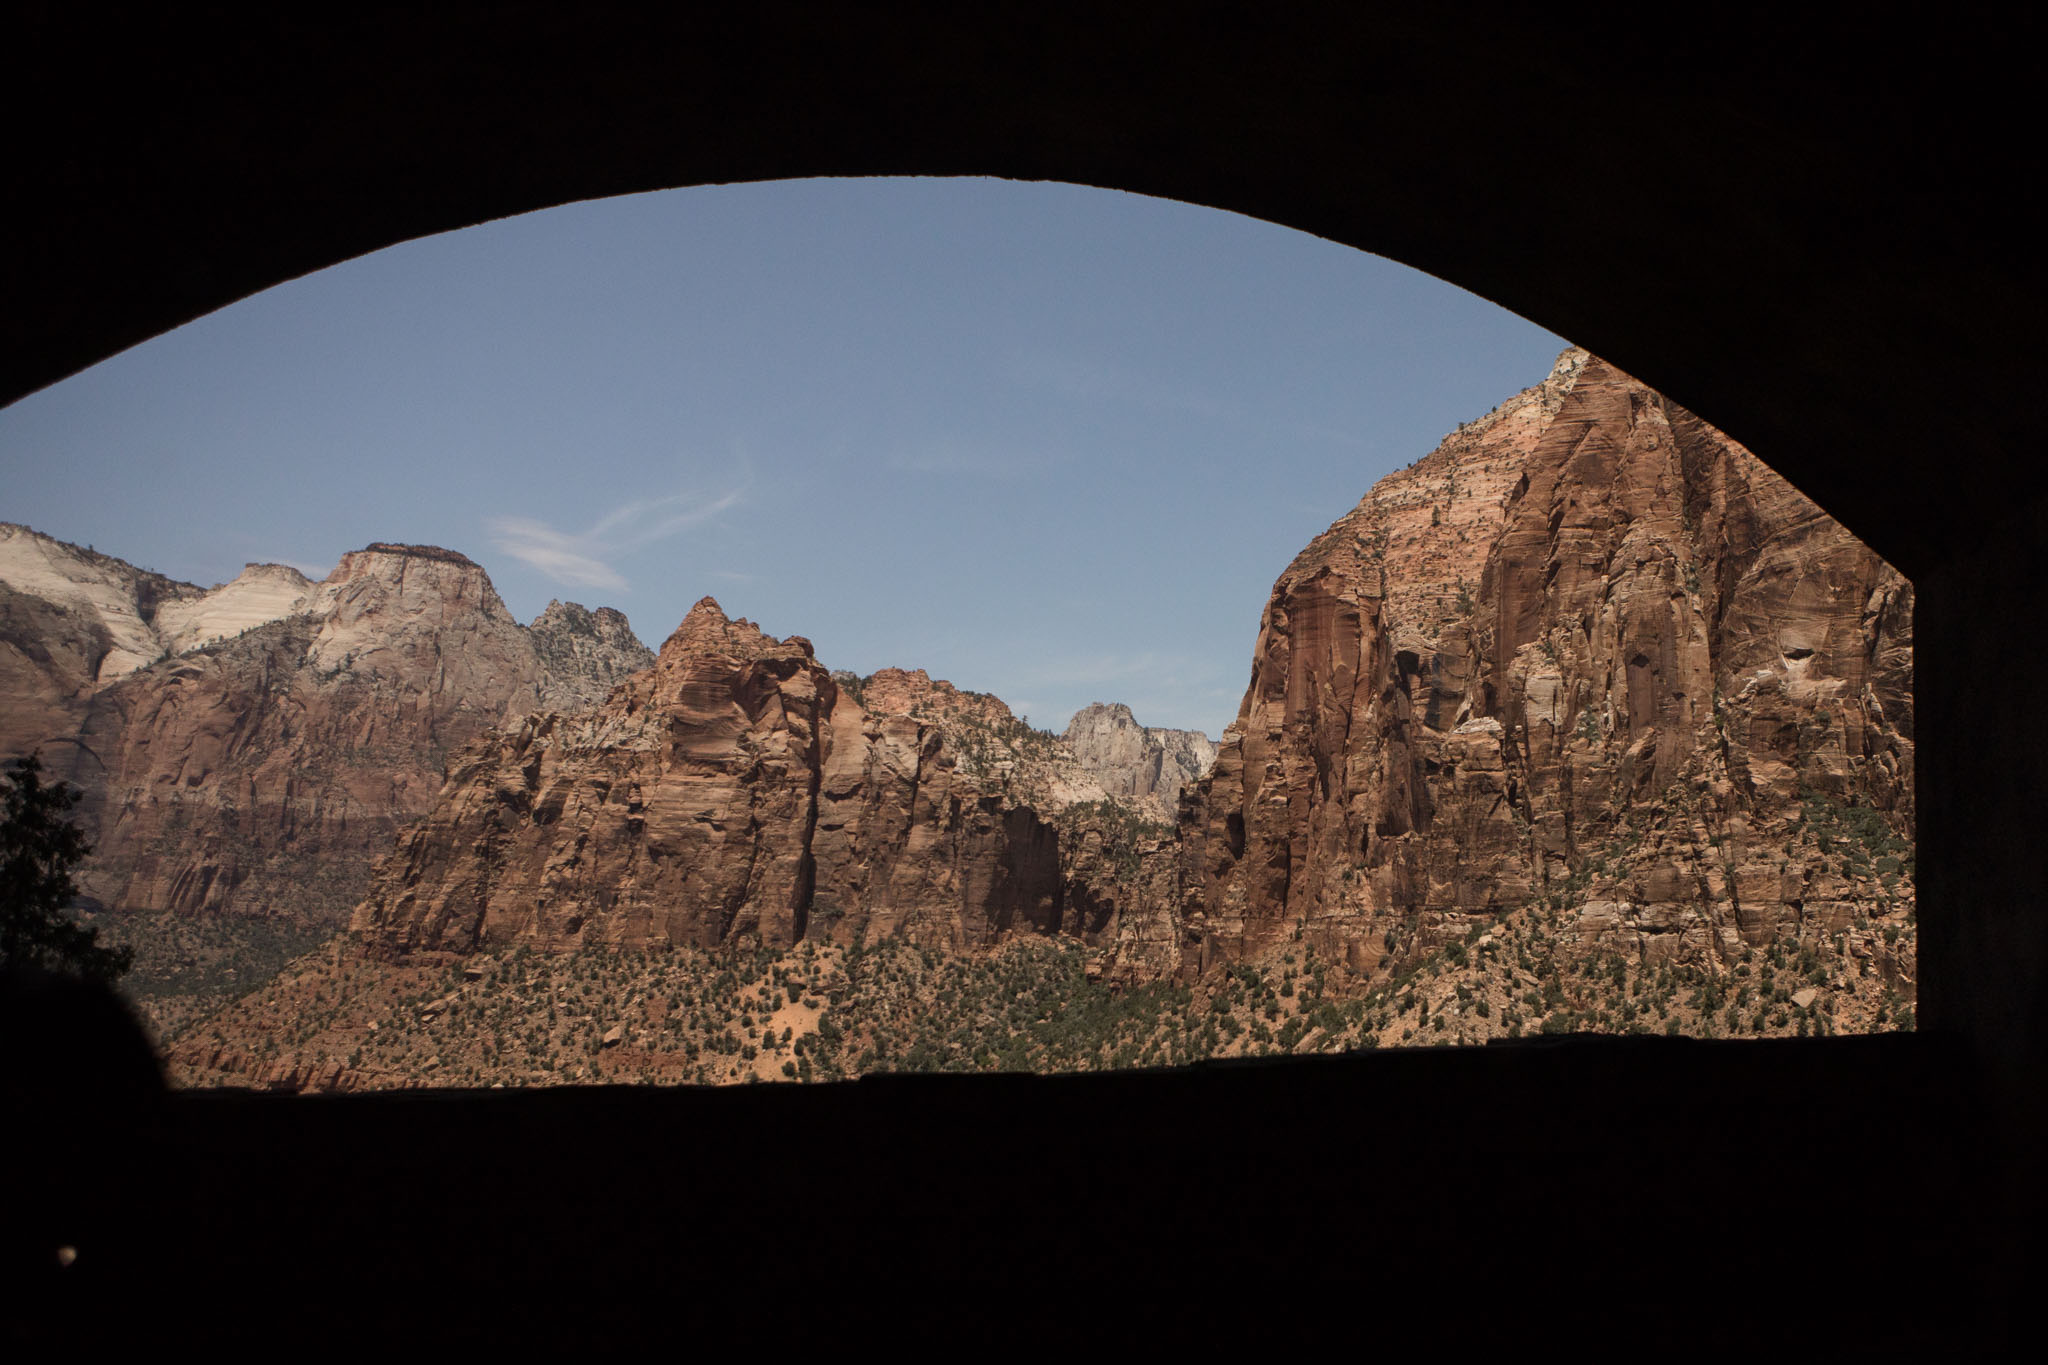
x=732 y=575
x=561 y=557
x=646 y=520
x=584 y=559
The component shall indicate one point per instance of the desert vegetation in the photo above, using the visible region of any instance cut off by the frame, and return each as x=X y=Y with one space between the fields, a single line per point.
x=746 y=1014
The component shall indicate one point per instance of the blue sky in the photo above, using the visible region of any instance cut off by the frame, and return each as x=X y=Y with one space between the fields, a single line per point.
x=1049 y=442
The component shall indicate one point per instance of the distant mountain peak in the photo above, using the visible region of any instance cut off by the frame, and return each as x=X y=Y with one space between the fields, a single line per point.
x=1146 y=764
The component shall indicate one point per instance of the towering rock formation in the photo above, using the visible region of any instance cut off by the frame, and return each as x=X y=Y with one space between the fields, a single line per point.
x=736 y=790
x=1145 y=764
x=1590 y=654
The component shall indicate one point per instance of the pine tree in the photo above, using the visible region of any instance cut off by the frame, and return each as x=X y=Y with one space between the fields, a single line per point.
x=39 y=847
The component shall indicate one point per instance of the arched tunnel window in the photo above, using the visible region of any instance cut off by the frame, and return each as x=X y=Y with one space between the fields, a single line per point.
x=788 y=631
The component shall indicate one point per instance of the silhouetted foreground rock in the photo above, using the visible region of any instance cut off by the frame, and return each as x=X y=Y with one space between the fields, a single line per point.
x=1649 y=1192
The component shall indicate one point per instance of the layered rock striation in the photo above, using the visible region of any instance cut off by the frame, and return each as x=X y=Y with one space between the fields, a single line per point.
x=260 y=594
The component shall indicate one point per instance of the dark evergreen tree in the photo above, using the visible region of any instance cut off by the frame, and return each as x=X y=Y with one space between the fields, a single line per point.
x=39 y=847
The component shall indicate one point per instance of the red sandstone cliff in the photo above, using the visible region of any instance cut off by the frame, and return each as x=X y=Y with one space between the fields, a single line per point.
x=735 y=790
x=1589 y=654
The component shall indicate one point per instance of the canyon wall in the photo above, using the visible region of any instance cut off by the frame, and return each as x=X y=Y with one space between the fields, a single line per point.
x=1585 y=720
x=1589 y=657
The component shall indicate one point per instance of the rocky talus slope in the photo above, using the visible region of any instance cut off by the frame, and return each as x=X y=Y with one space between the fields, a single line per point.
x=1145 y=764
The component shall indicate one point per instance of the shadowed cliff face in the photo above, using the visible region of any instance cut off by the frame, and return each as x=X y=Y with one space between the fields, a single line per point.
x=1589 y=654
x=733 y=791
x=134 y=613
x=50 y=656
x=72 y=621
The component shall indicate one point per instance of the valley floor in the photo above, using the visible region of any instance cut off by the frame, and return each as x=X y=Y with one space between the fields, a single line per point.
x=337 y=1020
